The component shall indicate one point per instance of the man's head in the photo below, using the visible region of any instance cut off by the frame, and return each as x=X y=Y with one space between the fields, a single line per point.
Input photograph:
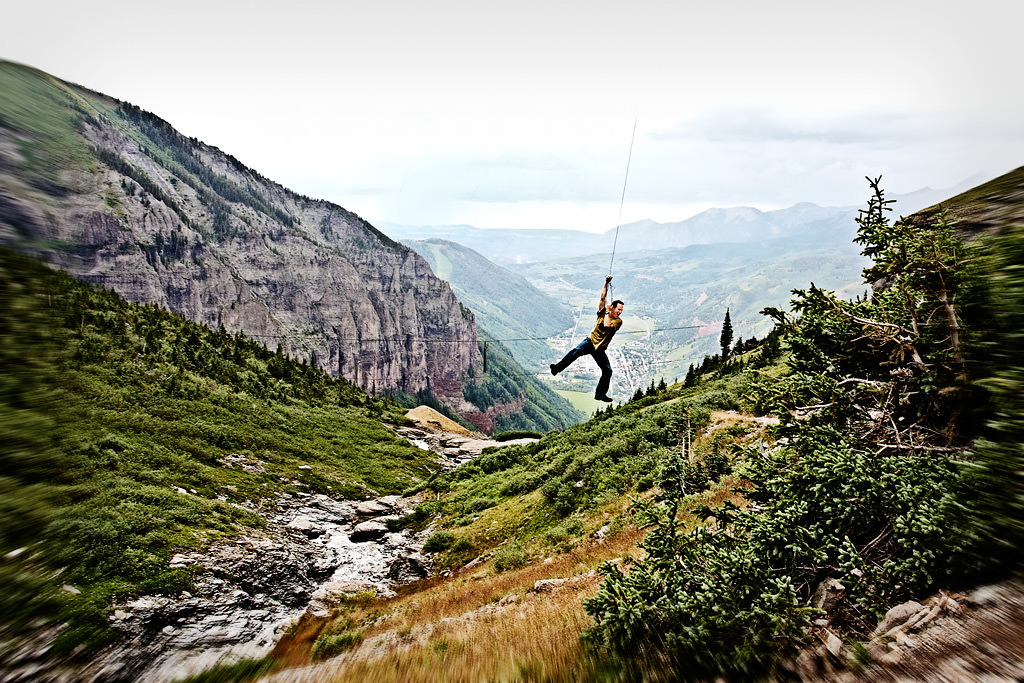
x=616 y=309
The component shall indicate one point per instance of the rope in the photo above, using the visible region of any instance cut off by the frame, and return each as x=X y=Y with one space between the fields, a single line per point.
x=622 y=200
x=448 y=341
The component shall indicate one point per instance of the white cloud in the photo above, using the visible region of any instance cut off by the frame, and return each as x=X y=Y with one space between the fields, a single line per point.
x=519 y=114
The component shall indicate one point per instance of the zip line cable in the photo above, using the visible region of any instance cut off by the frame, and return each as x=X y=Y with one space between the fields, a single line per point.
x=622 y=200
x=449 y=341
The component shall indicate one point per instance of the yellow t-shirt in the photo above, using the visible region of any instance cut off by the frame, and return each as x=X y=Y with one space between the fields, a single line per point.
x=602 y=336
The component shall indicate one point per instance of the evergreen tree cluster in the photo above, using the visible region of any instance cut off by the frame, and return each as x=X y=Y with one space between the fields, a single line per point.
x=215 y=191
x=739 y=357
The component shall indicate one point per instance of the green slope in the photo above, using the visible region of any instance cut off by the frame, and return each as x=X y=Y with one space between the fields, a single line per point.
x=112 y=411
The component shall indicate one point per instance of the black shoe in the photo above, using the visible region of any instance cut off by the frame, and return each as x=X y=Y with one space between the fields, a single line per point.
x=602 y=397
x=554 y=369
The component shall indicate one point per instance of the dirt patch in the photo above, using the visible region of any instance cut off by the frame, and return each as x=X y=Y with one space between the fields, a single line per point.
x=722 y=419
x=431 y=420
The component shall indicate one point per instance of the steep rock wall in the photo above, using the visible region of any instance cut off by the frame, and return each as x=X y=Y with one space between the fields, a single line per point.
x=169 y=220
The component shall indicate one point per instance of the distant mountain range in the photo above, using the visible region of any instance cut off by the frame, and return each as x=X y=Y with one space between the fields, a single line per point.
x=511 y=247
x=673 y=275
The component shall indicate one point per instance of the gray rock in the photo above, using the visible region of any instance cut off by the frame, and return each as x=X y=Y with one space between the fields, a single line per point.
x=898 y=615
x=833 y=643
x=828 y=595
x=371 y=508
x=248 y=589
x=368 y=531
x=301 y=523
x=409 y=566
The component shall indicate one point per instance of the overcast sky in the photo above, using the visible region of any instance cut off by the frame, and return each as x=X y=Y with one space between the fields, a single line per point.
x=520 y=114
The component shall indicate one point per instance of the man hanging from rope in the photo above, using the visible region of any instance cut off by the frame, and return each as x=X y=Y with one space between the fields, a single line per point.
x=608 y=322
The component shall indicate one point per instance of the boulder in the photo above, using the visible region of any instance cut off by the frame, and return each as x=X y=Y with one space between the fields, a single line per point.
x=409 y=566
x=302 y=523
x=828 y=595
x=898 y=615
x=368 y=531
x=371 y=508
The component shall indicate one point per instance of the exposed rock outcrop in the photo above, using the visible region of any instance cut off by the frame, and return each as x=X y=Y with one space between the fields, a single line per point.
x=453 y=443
x=246 y=593
x=975 y=636
x=161 y=218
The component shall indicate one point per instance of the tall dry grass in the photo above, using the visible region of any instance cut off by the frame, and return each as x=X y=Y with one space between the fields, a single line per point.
x=481 y=626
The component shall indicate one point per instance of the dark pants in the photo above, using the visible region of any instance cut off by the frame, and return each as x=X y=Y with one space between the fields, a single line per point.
x=586 y=347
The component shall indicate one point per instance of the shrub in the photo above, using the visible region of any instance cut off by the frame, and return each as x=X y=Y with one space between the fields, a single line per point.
x=462 y=545
x=440 y=541
x=521 y=482
x=509 y=557
x=479 y=504
x=330 y=645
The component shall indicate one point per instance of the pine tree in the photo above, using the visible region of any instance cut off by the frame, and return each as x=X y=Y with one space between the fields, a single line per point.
x=725 y=341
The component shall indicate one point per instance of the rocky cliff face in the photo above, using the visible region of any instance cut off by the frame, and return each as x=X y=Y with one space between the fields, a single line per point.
x=116 y=196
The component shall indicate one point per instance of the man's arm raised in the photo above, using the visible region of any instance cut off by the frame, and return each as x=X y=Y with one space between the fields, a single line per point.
x=604 y=294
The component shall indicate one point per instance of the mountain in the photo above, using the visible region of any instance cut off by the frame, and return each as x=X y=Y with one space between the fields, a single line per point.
x=516 y=248
x=507 y=247
x=982 y=209
x=505 y=304
x=713 y=226
x=739 y=224
x=117 y=197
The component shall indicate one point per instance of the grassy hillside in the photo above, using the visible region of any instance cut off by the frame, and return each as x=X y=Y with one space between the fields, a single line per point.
x=551 y=511
x=119 y=426
x=50 y=117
